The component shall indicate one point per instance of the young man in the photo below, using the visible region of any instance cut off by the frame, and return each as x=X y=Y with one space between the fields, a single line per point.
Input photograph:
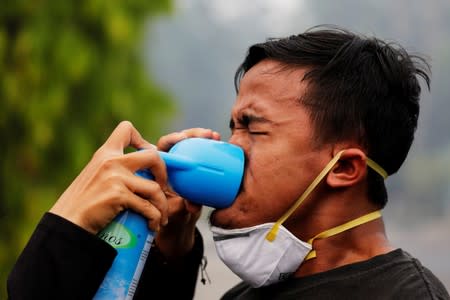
x=323 y=118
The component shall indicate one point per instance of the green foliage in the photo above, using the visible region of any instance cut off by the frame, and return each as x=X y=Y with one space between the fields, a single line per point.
x=69 y=72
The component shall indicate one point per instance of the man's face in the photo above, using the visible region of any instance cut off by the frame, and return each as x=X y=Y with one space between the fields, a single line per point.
x=275 y=131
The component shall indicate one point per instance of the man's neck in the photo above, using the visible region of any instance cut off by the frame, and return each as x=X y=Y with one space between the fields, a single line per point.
x=355 y=245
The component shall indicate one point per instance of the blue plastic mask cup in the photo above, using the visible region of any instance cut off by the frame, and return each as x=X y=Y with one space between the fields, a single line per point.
x=204 y=171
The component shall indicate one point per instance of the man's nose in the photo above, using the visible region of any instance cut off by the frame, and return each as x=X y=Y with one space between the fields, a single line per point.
x=238 y=140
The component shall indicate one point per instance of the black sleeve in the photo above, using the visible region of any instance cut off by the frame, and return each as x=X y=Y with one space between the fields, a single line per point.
x=161 y=279
x=60 y=261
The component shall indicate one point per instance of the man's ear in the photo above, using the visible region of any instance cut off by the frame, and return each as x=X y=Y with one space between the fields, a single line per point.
x=350 y=169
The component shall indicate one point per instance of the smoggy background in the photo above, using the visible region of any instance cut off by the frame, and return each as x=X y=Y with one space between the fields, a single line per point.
x=71 y=70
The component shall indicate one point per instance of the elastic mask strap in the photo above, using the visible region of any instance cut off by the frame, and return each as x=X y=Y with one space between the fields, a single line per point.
x=272 y=234
x=377 y=168
x=341 y=228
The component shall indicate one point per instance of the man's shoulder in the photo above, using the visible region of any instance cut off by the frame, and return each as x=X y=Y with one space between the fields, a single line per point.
x=394 y=275
x=414 y=278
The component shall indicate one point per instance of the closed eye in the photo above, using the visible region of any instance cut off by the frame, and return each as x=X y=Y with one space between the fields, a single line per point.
x=250 y=123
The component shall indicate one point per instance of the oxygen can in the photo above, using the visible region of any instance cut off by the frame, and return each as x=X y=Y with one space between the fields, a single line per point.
x=129 y=234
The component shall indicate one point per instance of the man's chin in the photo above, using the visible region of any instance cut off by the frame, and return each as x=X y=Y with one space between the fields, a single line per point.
x=226 y=217
x=213 y=218
x=217 y=218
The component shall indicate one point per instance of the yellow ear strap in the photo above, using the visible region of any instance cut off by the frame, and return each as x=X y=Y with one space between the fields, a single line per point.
x=272 y=234
x=377 y=168
x=341 y=228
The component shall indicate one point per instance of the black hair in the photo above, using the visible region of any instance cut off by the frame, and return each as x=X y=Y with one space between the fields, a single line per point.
x=359 y=88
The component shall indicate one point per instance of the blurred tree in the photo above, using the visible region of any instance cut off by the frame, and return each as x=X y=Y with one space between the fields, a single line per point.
x=69 y=72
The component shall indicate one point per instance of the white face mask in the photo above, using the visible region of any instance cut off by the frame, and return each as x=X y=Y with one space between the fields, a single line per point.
x=255 y=260
x=265 y=254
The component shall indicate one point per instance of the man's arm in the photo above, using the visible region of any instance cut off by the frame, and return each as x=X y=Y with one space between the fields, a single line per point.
x=60 y=261
x=65 y=260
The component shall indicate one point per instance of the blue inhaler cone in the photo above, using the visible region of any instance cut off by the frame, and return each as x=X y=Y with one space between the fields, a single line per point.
x=204 y=171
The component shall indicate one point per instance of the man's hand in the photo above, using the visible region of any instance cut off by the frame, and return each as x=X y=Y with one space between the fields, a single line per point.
x=108 y=185
x=177 y=238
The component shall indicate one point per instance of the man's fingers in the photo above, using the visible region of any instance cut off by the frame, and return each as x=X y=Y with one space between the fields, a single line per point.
x=151 y=191
x=146 y=159
x=146 y=209
x=216 y=136
x=178 y=204
x=143 y=159
x=125 y=135
x=192 y=207
x=166 y=142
